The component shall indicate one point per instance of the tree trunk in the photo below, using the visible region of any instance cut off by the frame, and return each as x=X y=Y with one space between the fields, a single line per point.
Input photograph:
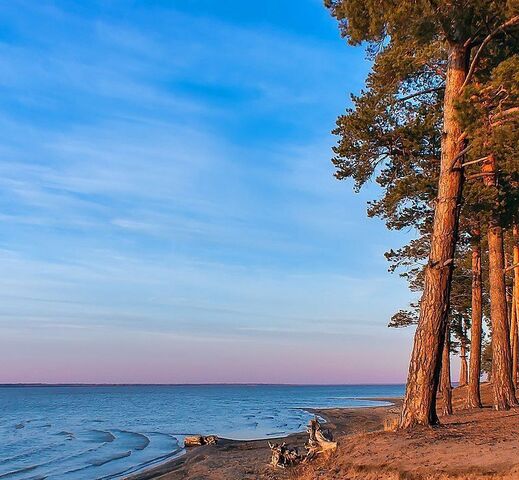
x=504 y=391
x=515 y=302
x=445 y=380
x=463 y=366
x=419 y=405
x=513 y=336
x=474 y=397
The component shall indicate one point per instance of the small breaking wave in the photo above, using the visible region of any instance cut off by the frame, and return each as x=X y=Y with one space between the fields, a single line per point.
x=101 y=436
x=137 y=441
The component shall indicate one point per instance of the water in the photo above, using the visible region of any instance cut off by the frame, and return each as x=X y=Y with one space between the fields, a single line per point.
x=100 y=432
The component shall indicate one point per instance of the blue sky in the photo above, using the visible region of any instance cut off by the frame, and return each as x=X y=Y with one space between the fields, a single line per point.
x=167 y=201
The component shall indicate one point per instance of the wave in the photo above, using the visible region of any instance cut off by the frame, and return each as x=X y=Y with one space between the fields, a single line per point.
x=119 y=470
x=27 y=454
x=58 y=460
x=17 y=472
x=138 y=441
x=101 y=436
x=145 y=465
x=110 y=458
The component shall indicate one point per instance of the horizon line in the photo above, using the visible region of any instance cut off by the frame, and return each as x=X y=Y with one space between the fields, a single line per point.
x=243 y=384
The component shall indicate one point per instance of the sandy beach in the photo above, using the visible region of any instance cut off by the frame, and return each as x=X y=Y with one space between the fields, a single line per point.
x=250 y=459
x=469 y=445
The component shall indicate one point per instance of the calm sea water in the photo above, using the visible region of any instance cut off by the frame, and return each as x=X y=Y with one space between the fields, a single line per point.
x=109 y=432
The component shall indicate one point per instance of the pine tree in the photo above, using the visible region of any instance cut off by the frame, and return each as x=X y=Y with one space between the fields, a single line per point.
x=411 y=41
x=487 y=112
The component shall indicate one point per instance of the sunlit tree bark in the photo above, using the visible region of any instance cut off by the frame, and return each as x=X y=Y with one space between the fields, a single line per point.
x=445 y=379
x=473 y=393
x=422 y=382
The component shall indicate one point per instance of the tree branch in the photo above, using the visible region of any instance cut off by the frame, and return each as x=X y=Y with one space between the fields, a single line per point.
x=423 y=92
x=512 y=267
x=503 y=115
x=509 y=23
x=506 y=113
x=475 y=161
x=458 y=156
x=479 y=175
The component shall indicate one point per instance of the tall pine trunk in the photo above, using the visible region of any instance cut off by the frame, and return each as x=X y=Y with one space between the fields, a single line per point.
x=504 y=391
x=513 y=336
x=515 y=301
x=473 y=394
x=419 y=405
x=463 y=365
x=445 y=379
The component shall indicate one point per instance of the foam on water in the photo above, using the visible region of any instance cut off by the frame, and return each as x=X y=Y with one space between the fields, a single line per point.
x=76 y=433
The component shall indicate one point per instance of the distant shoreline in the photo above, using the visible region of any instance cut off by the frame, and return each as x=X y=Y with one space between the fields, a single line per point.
x=14 y=385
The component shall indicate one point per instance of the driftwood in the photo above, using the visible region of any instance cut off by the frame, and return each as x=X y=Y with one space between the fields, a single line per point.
x=319 y=441
x=198 y=440
x=283 y=456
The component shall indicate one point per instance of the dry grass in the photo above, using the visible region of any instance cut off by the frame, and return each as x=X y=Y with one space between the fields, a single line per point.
x=470 y=445
x=391 y=423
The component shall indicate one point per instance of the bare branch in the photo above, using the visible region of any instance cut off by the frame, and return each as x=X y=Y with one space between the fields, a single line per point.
x=458 y=156
x=506 y=113
x=423 y=92
x=503 y=115
x=512 y=267
x=472 y=162
x=509 y=23
x=479 y=175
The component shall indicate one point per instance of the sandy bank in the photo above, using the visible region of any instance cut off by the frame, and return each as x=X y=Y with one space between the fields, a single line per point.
x=470 y=445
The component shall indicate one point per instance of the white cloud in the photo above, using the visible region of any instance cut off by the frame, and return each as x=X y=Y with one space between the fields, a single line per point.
x=172 y=178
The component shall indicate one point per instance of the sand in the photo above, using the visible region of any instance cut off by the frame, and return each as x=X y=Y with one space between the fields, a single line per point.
x=470 y=445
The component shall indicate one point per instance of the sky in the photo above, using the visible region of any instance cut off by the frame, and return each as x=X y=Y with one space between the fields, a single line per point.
x=167 y=203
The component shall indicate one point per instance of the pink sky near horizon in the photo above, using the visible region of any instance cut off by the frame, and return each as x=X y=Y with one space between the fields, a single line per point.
x=163 y=360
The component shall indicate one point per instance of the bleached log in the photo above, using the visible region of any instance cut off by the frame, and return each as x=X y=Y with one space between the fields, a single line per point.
x=193 y=441
x=319 y=440
x=198 y=440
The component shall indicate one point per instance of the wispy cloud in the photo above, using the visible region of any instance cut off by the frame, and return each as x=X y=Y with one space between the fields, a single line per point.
x=167 y=173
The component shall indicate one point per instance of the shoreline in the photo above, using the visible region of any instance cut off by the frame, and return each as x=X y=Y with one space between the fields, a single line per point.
x=471 y=444
x=341 y=420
